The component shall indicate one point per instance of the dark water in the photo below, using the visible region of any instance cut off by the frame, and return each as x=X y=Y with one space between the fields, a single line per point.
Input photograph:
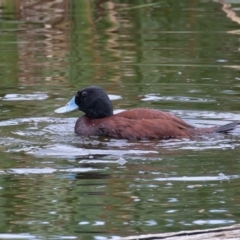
x=179 y=56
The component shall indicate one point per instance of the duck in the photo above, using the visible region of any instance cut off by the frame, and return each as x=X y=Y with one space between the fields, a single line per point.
x=132 y=124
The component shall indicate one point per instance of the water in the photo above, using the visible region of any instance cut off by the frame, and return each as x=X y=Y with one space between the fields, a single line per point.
x=178 y=56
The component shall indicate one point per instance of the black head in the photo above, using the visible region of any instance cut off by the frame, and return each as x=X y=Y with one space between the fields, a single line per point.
x=94 y=102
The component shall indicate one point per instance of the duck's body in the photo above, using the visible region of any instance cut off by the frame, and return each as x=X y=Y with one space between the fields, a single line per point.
x=139 y=123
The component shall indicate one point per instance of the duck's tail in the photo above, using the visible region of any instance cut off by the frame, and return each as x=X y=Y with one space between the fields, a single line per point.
x=227 y=127
x=222 y=129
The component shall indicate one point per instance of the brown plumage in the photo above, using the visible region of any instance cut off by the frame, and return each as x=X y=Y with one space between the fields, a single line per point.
x=139 y=123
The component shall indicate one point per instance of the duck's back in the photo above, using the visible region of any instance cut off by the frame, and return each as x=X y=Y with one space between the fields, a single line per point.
x=139 y=124
x=146 y=113
x=145 y=124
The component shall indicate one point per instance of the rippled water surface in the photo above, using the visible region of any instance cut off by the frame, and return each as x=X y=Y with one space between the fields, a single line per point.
x=178 y=56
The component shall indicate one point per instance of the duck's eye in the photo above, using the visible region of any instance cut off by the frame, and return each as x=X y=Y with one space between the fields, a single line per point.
x=84 y=94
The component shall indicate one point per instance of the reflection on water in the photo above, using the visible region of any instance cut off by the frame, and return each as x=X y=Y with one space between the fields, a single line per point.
x=23 y=97
x=41 y=30
x=178 y=56
x=105 y=176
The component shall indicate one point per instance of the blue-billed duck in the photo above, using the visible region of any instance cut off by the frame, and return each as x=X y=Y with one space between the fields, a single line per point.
x=137 y=124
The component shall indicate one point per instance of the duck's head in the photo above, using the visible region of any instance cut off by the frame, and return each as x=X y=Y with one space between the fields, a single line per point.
x=93 y=101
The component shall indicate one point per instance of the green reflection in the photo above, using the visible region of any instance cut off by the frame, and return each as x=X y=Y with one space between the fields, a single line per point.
x=170 y=55
x=8 y=45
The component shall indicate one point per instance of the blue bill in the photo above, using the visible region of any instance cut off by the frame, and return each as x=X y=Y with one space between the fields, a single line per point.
x=70 y=106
